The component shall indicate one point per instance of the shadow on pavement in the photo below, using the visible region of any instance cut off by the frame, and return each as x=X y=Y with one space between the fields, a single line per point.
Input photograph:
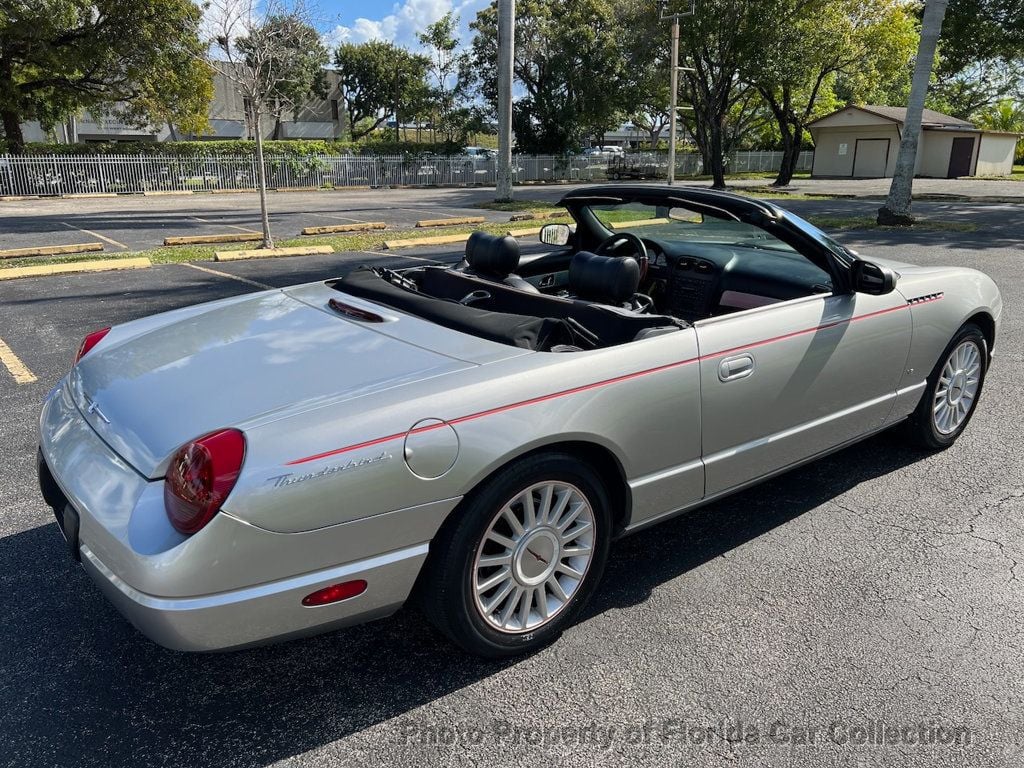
x=81 y=686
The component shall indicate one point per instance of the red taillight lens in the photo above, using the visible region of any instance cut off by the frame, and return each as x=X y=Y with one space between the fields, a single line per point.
x=200 y=477
x=335 y=593
x=90 y=341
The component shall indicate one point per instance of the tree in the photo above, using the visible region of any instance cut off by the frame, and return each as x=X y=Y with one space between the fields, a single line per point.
x=378 y=77
x=896 y=210
x=447 y=63
x=263 y=49
x=815 y=44
x=141 y=60
x=715 y=43
x=299 y=66
x=570 y=65
x=981 y=56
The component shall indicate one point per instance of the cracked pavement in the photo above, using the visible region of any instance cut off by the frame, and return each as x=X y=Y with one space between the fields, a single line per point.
x=787 y=625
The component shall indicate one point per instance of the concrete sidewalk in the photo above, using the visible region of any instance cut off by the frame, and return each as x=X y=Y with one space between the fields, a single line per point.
x=975 y=190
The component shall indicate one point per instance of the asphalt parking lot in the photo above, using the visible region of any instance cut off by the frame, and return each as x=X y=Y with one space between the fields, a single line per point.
x=785 y=625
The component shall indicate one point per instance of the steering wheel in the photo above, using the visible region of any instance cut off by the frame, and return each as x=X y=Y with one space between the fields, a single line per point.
x=639 y=248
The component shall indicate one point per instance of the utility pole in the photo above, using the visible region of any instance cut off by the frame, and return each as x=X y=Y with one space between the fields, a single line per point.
x=506 y=57
x=673 y=109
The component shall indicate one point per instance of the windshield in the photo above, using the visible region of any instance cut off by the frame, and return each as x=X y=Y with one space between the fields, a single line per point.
x=678 y=224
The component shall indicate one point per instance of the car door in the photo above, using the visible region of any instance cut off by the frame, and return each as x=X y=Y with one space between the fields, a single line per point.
x=784 y=382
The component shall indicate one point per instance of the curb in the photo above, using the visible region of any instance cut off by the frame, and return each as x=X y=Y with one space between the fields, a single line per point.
x=412 y=242
x=51 y=250
x=101 y=265
x=270 y=253
x=362 y=226
x=241 y=237
x=456 y=221
x=531 y=232
x=537 y=216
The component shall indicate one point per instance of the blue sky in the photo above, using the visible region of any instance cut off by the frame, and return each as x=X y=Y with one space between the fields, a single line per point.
x=361 y=20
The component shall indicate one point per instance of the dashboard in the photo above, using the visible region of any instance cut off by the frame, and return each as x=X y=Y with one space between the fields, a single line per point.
x=701 y=279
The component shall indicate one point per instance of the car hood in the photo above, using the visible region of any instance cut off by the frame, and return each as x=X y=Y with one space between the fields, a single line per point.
x=242 y=362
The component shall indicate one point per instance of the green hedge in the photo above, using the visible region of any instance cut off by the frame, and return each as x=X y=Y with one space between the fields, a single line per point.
x=297 y=148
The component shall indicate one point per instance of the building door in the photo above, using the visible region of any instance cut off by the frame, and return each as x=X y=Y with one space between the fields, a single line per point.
x=960 y=157
x=870 y=158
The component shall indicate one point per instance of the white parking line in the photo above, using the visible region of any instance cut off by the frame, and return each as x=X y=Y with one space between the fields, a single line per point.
x=218 y=273
x=17 y=369
x=380 y=255
x=340 y=218
x=229 y=226
x=97 y=235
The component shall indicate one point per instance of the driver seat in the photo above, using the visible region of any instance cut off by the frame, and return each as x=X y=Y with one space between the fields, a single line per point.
x=496 y=259
x=610 y=280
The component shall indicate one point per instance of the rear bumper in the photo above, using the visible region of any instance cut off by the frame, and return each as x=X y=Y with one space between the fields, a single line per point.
x=264 y=613
x=233 y=584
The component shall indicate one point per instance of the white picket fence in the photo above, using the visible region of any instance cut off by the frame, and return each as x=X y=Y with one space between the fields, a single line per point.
x=133 y=174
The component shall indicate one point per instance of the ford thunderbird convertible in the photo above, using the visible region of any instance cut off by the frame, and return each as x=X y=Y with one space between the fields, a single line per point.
x=471 y=438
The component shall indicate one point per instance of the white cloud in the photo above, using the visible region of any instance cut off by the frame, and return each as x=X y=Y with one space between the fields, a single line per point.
x=406 y=20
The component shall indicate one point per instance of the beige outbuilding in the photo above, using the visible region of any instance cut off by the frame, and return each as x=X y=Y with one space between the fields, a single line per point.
x=862 y=143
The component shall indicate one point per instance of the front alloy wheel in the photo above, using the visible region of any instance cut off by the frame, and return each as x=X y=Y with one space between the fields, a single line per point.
x=952 y=393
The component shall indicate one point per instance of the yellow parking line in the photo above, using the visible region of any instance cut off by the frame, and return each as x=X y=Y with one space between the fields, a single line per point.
x=20 y=371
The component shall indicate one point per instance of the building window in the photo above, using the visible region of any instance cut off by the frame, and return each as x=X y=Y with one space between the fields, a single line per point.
x=334 y=109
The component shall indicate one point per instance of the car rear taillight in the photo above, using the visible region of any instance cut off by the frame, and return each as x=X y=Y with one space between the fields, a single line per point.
x=90 y=341
x=200 y=477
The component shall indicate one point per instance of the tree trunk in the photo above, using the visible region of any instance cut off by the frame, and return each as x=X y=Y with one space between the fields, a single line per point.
x=716 y=155
x=792 y=136
x=261 y=184
x=12 y=132
x=896 y=210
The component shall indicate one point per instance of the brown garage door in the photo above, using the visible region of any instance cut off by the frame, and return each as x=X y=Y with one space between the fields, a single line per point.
x=960 y=157
x=870 y=157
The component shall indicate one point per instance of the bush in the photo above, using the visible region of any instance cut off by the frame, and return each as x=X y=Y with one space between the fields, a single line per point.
x=292 y=148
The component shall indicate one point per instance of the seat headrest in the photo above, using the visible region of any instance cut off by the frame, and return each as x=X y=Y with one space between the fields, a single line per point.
x=604 y=279
x=492 y=255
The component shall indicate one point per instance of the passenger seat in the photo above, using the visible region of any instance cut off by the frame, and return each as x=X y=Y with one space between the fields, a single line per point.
x=495 y=258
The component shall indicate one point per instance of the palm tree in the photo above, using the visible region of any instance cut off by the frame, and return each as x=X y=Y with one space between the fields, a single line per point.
x=896 y=210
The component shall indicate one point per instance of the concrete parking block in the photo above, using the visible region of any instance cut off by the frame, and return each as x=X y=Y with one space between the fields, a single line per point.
x=270 y=253
x=101 y=265
x=537 y=215
x=234 y=237
x=531 y=232
x=451 y=222
x=414 y=241
x=51 y=250
x=361 y=226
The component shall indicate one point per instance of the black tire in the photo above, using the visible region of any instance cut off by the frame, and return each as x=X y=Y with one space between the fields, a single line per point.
x=920 y=429
x=445 y=590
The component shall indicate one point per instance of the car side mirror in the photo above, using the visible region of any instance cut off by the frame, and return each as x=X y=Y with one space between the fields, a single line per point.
x=872 y=279
x=555 y=234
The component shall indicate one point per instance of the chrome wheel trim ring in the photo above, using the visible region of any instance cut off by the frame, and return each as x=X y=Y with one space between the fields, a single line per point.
x=534 y=555
x=957 y=388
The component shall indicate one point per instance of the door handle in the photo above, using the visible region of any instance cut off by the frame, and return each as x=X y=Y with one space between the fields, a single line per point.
x=738 y=367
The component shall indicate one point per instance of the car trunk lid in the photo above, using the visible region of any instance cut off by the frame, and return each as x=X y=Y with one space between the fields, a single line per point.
x=238 y=363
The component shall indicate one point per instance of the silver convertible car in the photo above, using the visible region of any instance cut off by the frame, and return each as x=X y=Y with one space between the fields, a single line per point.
x=472 y=438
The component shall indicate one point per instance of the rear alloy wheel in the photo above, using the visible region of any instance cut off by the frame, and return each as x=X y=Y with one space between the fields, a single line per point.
x=952 y=393
x=533 y=557
x=521 y=559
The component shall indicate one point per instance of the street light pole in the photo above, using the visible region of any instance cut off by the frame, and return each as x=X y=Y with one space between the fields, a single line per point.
x=673 y=110
x=506 y=57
